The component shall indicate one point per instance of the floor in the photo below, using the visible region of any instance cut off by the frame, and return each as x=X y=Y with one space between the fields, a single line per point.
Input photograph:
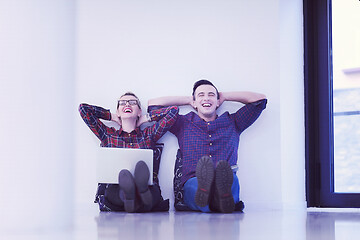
x=308 y=224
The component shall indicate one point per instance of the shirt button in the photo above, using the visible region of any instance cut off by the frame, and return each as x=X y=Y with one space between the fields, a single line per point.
x=210 y=155
x=211 y=144
x=208 y=123
x=131 y=144
x=209 y=135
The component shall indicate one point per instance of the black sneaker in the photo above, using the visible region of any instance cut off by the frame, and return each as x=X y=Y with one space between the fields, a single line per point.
x=205 y=177
x=127 y=184
x=223 y=182
x=142 y=175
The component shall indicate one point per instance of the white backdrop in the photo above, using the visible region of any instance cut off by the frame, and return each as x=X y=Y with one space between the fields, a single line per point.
x=159 y=48
x=57 y=54
x=37 y=95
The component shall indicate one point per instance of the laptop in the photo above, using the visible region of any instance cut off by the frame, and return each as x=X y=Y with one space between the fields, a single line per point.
x=111 y=161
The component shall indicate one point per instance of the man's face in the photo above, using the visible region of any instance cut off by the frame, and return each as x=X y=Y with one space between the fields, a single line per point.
x=128 y=107
x=206 y=100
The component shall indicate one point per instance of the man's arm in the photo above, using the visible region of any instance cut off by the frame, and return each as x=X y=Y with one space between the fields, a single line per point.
x=242 y=97
x=170 y=101
x=255 y=103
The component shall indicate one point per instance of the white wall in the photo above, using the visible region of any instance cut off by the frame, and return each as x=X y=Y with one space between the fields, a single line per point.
x=157 y=48
x=37 y=99
x=291 y=105
x=153 y=48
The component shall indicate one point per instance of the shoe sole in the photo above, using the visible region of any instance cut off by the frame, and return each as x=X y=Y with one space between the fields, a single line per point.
x=127 y=184
x=223 y=183
x=142 y=175
x=205 y=178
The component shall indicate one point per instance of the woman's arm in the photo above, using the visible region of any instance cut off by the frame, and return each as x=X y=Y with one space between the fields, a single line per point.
x=164 y=119
x=92 y=115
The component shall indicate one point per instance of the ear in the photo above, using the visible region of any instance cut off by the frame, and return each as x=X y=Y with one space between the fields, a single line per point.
x=193 y=105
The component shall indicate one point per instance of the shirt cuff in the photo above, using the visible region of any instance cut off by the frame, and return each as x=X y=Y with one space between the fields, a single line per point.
x=261 y=103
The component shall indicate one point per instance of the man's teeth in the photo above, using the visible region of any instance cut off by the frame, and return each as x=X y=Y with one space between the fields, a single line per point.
x=206 y=105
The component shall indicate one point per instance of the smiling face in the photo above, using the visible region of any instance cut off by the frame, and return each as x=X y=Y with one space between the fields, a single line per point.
x=128 y=107
x=206 y=102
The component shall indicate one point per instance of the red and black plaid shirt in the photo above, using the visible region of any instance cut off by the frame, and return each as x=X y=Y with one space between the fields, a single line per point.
x=110 y=137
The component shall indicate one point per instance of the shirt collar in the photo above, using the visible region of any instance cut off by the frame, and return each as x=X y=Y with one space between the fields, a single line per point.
x=135 y=131
x=197 y=118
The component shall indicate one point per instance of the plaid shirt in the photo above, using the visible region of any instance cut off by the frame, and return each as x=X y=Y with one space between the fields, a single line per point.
x=110 y=137
x=218 y=139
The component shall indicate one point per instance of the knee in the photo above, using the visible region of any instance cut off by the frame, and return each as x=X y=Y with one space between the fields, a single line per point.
x=191 y=185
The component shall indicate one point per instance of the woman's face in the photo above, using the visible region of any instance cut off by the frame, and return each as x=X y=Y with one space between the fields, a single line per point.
x=128 y=107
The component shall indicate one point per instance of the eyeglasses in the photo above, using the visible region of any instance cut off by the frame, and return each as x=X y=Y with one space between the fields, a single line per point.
x=131 y=102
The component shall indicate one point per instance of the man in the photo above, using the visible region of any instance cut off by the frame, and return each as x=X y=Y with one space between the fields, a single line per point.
x=209 y=145
x=132 y=194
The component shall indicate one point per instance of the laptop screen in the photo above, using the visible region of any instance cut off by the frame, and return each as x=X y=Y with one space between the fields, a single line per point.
x=111 y=161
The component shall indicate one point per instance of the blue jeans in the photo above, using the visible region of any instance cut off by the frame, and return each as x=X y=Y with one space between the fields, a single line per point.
x=190 y=188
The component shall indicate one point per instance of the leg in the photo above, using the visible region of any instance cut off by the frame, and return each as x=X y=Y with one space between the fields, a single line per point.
x=205 y=178
x=155 y=194
x=127 y=185
x=112 y=195
x=224 y=179
x=142 y=175
x=155 y=200
x=235 y=189
x=190 y=188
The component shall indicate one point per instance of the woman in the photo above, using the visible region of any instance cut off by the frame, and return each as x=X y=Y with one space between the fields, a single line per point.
x=132 y=194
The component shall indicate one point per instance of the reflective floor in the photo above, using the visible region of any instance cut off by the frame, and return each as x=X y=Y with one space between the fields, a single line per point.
x=309 y=224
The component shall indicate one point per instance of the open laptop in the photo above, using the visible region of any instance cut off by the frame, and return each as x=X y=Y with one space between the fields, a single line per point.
x=111 y=161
